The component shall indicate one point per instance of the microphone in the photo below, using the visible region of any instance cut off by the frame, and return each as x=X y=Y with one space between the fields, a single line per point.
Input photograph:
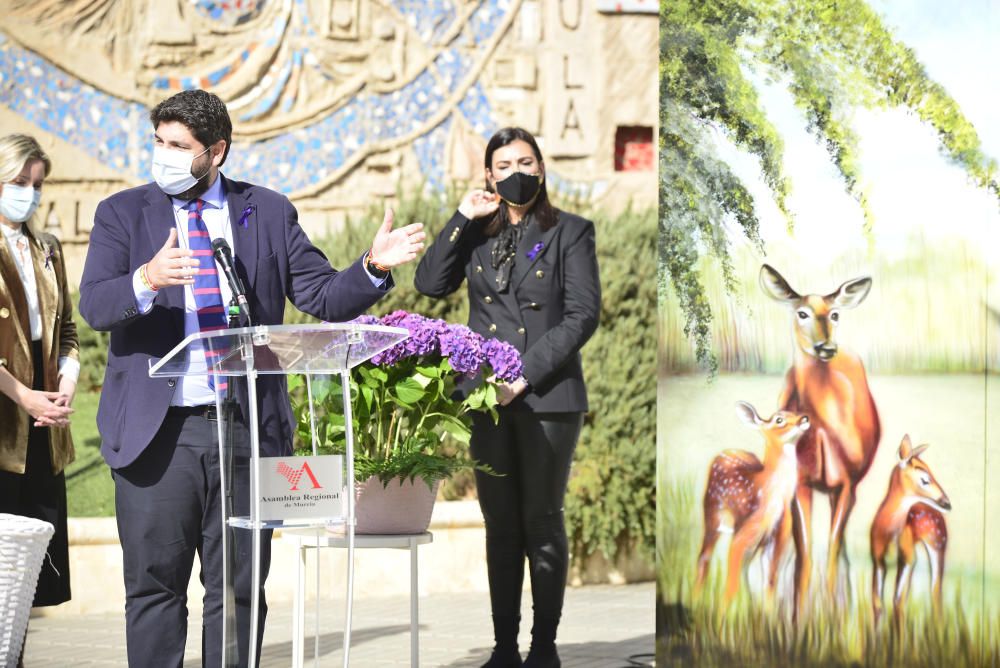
x=224 y=256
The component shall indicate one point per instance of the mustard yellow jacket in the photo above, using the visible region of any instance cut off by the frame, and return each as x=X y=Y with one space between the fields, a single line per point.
x=59 y=339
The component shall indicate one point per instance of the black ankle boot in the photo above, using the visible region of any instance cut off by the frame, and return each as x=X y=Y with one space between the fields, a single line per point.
x=505 y=654
x=543 y=652
x=546 y=657
x=504 y=657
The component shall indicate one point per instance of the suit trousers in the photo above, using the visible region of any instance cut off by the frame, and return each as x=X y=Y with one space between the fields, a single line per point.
x=523 y=508
x=169 y=507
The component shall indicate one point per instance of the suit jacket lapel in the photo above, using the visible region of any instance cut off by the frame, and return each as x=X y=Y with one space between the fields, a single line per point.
x=158 y=218
x=245 y=225
x=48 y=290
x=534 y=244
x=12 y=279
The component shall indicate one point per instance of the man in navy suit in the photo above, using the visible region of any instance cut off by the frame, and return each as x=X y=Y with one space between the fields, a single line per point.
x=148 y=282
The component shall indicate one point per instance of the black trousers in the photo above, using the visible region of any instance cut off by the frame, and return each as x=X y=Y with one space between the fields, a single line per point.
x=523 y=508
x=169 y=506
x=41 y=494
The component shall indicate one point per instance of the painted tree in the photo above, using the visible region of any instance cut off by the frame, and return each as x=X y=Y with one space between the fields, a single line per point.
x=833 y=56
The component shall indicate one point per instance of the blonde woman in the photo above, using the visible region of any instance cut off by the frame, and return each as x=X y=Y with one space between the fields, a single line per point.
x=39 y=364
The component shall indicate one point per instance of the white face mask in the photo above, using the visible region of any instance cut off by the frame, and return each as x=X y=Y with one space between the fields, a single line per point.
x=172 y=170
x=17 y=203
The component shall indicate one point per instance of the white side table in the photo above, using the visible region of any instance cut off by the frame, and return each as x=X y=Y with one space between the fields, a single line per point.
x=319 y=538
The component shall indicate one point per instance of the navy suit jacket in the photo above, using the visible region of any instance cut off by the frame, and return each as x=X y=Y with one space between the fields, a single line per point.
x=275 y=260
x=550 y=309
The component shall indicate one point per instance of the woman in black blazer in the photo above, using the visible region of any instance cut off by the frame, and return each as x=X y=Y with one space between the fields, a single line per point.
x=533 y=281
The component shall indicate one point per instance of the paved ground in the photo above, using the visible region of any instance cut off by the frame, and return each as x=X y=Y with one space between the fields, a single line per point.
x=603 y=627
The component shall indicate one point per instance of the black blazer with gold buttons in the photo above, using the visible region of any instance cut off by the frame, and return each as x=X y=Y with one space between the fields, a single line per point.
x=549 y=310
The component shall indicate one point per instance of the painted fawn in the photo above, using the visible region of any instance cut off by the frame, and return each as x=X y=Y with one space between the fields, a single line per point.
x=911 y=514
x=752 y=498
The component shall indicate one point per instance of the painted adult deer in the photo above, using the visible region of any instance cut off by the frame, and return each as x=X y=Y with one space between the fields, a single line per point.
x=749 y=497
x=829 y=385
x=910 y=515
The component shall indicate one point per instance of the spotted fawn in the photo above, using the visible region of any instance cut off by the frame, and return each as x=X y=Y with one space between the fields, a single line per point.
x=750 y=498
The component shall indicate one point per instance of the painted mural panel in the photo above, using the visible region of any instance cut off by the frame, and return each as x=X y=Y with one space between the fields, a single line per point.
x=827 y=427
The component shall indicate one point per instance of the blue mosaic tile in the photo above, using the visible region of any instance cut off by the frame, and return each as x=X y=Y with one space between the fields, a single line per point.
x=477 y=110
x=231 y=12
x=96 y=123
x=487 y=19
x=429 y=150
x=266 y=102
x=428 y=18
x=452 y=66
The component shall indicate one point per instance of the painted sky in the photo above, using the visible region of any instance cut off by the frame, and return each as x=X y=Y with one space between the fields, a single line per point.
x=911 y=185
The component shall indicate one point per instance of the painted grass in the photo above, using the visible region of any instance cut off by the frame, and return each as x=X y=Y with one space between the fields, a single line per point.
x=756 y=632
x=928 y=311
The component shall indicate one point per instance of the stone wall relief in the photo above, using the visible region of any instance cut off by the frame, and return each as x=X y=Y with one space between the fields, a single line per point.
x=334 y=101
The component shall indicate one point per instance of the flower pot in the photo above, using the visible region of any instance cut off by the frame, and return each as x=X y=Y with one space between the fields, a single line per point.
x=400 y=507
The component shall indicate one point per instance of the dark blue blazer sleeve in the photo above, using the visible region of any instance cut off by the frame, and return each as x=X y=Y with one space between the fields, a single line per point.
x=318 y=289
x=106 y=296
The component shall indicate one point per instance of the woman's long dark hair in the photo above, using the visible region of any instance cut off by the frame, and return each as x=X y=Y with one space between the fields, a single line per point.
x=543 y=211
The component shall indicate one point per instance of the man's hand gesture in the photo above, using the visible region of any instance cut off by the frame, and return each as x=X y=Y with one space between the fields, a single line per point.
x=391 y=248
x=172 y=265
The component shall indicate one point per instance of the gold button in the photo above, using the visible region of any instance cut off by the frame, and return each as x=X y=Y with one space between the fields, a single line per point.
x=3 y=361
x=493 y=328
x=4 y=312
x=488 y=299
x=520 y=330
x=479 y=268
x=534 y=306
x=540 y=274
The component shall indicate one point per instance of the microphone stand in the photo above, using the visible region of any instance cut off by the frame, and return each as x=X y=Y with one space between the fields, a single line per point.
x=229 y=407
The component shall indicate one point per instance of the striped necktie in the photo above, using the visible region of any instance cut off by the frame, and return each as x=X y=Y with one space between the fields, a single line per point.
x=207 y=294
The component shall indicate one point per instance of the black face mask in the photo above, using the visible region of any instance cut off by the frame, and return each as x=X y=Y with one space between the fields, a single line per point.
x=519 y=189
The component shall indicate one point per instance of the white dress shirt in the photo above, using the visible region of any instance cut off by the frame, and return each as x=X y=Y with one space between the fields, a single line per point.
x=20 y=248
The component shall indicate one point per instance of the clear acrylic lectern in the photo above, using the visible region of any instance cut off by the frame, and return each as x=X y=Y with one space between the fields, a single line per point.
x=261 y=492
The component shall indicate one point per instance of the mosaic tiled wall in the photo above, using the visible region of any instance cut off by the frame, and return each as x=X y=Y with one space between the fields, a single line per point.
x=335 y=101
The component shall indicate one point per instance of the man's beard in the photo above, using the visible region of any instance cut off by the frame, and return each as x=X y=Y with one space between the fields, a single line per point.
x=199 y=188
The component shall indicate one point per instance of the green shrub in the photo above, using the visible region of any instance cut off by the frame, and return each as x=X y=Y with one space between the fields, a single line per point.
x=93 y=352
x=611 y=501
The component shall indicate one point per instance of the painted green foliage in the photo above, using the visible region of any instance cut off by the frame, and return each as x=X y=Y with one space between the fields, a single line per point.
x=833 y=56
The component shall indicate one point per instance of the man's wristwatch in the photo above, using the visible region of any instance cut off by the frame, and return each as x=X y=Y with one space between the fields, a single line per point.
x=374 y=268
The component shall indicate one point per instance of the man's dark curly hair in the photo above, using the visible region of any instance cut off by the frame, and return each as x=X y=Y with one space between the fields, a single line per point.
x=203 y=113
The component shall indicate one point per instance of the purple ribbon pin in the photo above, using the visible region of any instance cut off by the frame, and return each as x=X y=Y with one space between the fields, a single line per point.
x=49 y=255
x=535 y=250
x=246 y=215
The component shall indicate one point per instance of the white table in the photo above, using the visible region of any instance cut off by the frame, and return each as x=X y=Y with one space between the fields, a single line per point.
x=319 y=538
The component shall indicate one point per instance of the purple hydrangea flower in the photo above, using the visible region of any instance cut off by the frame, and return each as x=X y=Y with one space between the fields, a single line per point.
x=463 y=348
x=394 y=318
x=504 y=358
x=423 y=339
x=365 y=320
x=424 y=333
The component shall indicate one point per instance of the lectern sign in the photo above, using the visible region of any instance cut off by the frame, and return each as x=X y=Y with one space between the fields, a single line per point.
x=301 y=487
